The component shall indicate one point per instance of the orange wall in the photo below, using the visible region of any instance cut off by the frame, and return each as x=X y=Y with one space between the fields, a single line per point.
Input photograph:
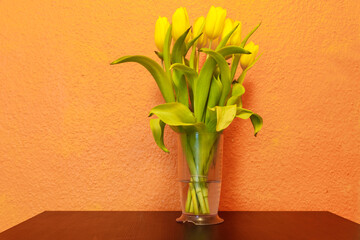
x=74 y=132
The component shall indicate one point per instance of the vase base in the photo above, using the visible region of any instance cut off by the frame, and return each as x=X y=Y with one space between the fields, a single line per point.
x=200 y=219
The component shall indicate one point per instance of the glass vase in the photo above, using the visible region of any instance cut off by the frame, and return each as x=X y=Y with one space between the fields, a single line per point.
x=199 y=172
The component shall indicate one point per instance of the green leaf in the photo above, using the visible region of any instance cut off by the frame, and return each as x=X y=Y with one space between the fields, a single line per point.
x=202 y=84
x=166 y=52
x=202 y=87
x=174 y=114
x=229 y=50
x=215 y=92
x=214 y=97
x=193 y=59
x=243 y=43
x=211 y=120
x=257 y=123
x=243 y=113
x=189 y=44
x=225 y=115
x=194 y=41
x=234 y=65
x=226 y=38
x=195 y=127
x=178 y=78
x=237 y=91
x=160 y=55
x=156 y=71
x=179 y=48
x=190 y=73
x=224 y=73
x=181 y=88
x=256 y=119
x=157 y=128
x=193 y=56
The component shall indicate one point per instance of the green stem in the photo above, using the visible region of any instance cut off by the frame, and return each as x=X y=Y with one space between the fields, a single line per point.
x=209 y=47
x=211 y=156
x=205 y=191
x=200 y=195
x=194 y=200
x=188 y=201
x=196 y=192
x=199 y=151
x=242 y=77
x=193 y=58
x=234 y=65
x=191 y=207
x=198 y=61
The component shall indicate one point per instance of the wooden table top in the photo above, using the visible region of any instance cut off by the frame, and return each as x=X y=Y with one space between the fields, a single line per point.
x=99 y=225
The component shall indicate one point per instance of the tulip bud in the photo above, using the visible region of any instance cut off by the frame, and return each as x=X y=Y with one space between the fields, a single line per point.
x=197 y=29
x=161 y=27
x=235 y=38
x=247 y=59
x=228 y=26
x=214 y=22
x=180 y=23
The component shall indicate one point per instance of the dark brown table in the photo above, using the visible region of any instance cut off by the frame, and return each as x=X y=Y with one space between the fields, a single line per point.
x=111 y=225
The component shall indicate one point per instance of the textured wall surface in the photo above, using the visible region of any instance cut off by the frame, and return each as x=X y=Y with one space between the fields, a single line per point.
x=74 y=132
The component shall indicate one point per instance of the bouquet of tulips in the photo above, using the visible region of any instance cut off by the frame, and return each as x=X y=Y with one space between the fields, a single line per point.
x=199 y=99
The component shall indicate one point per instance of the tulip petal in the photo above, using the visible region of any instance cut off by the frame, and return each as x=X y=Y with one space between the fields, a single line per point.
x=236 y=36
x=220 y=20
x=228 y=26
x=161 y=26
x=180 y=21
x=210 y=23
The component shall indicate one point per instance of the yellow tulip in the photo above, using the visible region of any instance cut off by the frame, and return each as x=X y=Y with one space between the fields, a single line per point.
x=197 y=29
x=228 y=26
x=247 y=59
x=235 y=38
x=161 y=27
x=180 y=23
x=214 y=22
